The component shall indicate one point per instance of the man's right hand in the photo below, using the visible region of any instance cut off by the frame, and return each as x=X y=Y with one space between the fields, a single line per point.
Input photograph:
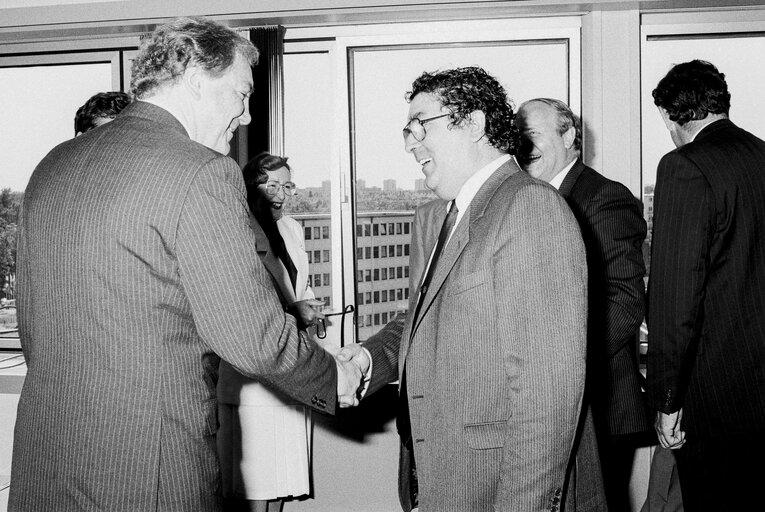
x=349 y=380
x=668 y=428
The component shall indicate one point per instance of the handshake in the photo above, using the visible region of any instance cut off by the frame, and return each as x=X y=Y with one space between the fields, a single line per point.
x=352 y=367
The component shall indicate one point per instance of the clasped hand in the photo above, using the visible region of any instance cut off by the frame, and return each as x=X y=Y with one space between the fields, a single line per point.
x=352 y=365
x=307 y=312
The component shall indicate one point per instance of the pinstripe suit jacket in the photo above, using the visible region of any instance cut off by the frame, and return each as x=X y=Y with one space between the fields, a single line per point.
x=613 y=230
x=706 y=308
x=137 y=270
x=495 y=362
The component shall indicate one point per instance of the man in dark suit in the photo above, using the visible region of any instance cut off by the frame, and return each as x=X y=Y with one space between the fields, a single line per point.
x=706 y=307
x=137 y=272
x=613 y=230
x=490 y=357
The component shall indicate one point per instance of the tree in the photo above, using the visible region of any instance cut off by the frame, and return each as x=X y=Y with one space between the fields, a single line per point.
x=10 y=203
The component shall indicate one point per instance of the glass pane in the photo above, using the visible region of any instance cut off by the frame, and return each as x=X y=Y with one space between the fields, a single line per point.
x=389 y=183
x=37 y=109
x=307 y=103
x=736 y=57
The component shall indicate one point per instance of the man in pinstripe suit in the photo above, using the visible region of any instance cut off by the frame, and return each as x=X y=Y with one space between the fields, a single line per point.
x=138 y=271
x=613 y=230
x=491 y=354
x=706 y=314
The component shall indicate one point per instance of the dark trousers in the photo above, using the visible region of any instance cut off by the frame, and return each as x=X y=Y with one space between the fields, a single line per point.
x=723 y=473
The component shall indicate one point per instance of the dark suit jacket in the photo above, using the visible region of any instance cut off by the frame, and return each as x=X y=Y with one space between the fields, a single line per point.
x=613 y=230
x=137 y=270
x=706 y=347
x=495 y=361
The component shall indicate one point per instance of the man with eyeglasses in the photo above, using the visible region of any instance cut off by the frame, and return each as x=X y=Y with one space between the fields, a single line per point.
x=490 y=357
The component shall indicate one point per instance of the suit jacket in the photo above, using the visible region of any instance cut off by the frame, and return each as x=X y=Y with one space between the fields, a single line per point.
x=137 y=271
x=613 y=230
x=495 y=361
x=706 y=308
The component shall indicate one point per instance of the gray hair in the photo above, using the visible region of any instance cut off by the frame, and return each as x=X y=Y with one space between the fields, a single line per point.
x=164 y=56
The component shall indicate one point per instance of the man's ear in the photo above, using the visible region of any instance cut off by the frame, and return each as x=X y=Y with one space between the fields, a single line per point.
x=192 y=80
x=476 y=123
x=568 y=137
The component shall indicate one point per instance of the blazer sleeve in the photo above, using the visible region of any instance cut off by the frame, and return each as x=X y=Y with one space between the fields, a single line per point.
x=619 y=230
x=235 y=307
x=683 y=226
x=385 y=346
x=540 y=274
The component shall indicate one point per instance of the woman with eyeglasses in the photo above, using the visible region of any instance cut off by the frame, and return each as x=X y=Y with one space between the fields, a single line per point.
x=264 y=437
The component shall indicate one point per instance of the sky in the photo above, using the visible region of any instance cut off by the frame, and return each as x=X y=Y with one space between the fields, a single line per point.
x=37 y=112
x=378 y=108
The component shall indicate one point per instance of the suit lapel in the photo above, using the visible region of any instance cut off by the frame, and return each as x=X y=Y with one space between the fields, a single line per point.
x=461 y=235
x=571 y=177
x=272 y=263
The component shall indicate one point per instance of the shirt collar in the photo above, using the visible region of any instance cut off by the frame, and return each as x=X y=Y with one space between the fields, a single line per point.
x=557 y=181
x=474 y=183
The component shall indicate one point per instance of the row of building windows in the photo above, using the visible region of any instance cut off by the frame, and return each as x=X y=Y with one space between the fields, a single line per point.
x=379 y=296
x=376 y=319
x=319 y=280
x=316 y=232
x=382 y=251
x=318 y=256
x=383 y=228
x=383 y=274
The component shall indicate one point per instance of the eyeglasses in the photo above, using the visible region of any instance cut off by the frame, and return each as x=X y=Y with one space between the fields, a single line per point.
x=416 y=127
x=273 y=186
x=321 y=326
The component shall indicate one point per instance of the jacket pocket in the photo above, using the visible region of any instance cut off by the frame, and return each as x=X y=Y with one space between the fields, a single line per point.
x=486 y=436
x=469 y=281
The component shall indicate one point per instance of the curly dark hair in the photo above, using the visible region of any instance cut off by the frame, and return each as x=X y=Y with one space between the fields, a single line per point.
x=102 y=105
x=691 y=91
x=171 y=48
x=467 y=89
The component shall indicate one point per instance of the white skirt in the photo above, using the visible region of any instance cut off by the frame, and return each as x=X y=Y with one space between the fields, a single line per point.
x=265 y=450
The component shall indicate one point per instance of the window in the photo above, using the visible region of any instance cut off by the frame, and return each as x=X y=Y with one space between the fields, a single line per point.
x=325 y=233
x=307 y=233
x=317 y=256
x=733 y=54
x=387 y=182
x=41 y=94
x=325 y=255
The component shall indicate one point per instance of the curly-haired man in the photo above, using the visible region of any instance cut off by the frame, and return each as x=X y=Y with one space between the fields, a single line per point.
x=490 y=357
x=706 y=294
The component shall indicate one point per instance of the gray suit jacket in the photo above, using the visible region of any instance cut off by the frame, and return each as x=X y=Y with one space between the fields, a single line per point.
x=495 y=363
x=137 y=270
